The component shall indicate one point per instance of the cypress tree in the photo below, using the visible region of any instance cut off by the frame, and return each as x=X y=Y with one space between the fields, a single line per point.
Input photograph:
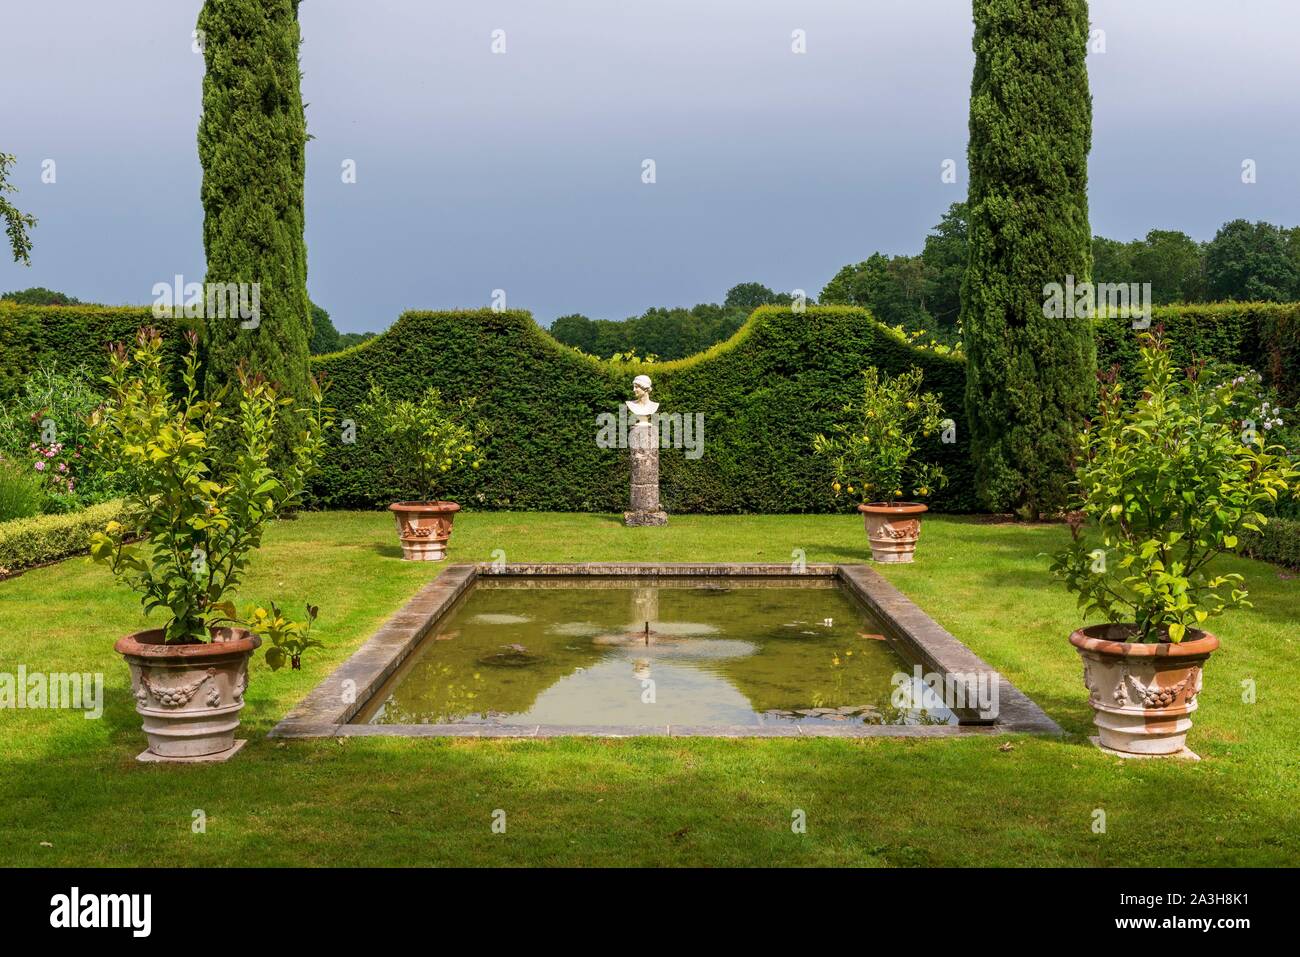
x=1030 y=377
x=252 y=145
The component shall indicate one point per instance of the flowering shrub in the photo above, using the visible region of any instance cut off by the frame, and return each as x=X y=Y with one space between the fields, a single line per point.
x=873 y=457
x=46 y=427
x=1167 y=482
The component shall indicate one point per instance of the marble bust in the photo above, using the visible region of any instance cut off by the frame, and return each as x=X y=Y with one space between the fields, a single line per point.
x=641 y=405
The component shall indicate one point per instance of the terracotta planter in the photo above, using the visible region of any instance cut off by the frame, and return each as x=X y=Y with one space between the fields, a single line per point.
x=190 y=696
x=424 y=528
x=893 y=530
x=1142 y=695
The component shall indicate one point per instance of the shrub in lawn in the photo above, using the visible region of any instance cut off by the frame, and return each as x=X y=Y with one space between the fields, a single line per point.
x=1166 y=483
x=423 y=441
x=874 y=459
x=1029 y=374
x=206 y=489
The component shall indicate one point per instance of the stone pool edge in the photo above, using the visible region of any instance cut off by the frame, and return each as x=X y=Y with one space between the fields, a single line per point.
x=328 y=708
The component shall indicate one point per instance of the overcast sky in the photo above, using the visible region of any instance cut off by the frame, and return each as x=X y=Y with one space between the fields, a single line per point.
x=522 y=171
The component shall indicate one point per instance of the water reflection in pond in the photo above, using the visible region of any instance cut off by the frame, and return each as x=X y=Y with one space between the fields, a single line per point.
x=622 y=653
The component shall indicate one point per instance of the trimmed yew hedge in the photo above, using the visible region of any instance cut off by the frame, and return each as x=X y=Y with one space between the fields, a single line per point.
x=45 y=538
x=763 y=394
x=1278 y=541
x=1262 y=335
x=67 y=336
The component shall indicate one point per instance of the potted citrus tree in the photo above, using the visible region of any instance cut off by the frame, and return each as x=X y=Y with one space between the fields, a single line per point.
x=873 y=458
x=1165 y=482
x=425 y=441
x=207 y=477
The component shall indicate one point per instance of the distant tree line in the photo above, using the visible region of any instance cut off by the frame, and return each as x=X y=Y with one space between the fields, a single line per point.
x=667 y=333
x=1243 y=262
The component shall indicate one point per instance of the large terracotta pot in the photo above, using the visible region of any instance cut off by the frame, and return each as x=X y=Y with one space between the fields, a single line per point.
x=893 y=530
x=190 y=696
x=1142 y=695
x=424 y=528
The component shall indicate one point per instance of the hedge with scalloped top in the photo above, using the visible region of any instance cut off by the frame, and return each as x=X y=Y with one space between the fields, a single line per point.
x=763 y=394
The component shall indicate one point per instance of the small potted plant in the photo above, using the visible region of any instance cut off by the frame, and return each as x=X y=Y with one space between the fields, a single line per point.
x=1165 y=483
x=207 y=479
x=425 y=440
x=873 y=457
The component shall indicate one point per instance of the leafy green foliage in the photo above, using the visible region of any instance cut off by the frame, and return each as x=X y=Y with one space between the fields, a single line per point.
x=206 y=489
x=1253 y=261
x=874 y=458
x=46 y=538
x=1277 y=542
x=324 y=337
x=46 y=428
x=1029 y=376
x=423 y=439
x=892 y=288
x=22 y=490
x=40 y=296
x=17 y=223
x=945 y=253
x=252 y=141
x=919 y=294
x=68 y=337
x=1171 y=261
x=285 y=639
x=1165 y=484
x=748 y=296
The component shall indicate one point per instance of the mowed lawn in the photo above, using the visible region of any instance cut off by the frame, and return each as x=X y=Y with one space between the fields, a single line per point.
x=72 y=793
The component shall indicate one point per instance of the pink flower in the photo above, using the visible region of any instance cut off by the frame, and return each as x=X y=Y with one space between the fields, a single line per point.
x=40 y=466
x=62 y=467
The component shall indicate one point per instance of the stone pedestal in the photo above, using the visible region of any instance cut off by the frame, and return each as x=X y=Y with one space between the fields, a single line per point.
x=643 y=441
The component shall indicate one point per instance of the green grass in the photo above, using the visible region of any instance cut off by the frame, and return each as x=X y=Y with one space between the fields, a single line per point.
x=75 y=784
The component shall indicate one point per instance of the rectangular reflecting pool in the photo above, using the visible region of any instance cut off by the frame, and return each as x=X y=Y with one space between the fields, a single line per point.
x=629 y=653
x=621 y=650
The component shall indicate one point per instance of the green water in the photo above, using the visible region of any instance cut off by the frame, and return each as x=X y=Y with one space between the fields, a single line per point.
x=720 y=652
